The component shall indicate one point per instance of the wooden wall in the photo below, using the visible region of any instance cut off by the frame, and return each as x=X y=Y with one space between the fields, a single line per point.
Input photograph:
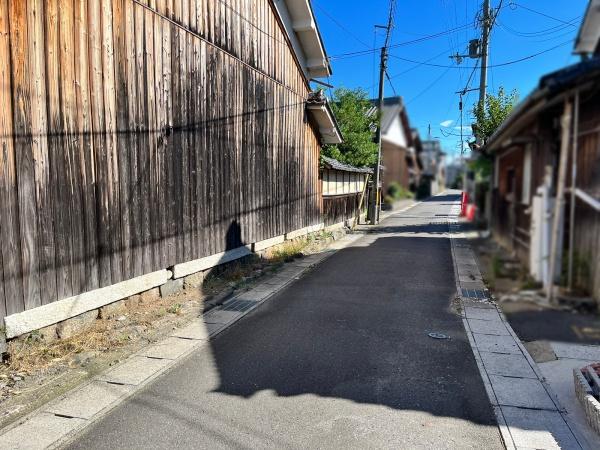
x=136 y=135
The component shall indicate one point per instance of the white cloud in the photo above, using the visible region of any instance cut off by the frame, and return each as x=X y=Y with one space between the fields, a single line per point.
x=446 y=123
x=466 y=128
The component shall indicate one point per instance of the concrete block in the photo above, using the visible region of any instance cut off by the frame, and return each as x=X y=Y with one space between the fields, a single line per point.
x=262 y=245
x=42 y=316
x=496 y=327
x=194 y=280
x=170 y=348
x=221 y=316
x=171 y=287
x=496 y=344
x=39 y=432
x=521 y=392
x=115 y=309
x=507 y=365
x=539 y=429
x=88 y=401
x=197 y=265
x=76 y=325
x=196 y=330
x=482 y=314
x=335 y=226
x=315 y=228
x=49 y=333
x=149 y=296
x=134 y=370
x=296 y=233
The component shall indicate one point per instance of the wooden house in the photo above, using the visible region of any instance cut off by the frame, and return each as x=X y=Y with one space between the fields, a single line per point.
x=561 y=116
x=146 y=140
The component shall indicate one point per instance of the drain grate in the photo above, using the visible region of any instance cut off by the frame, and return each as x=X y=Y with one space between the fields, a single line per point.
x=476 y=293
x=238 y=305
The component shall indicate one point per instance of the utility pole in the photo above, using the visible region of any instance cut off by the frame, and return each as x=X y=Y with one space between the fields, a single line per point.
x=375 y=196
x=485 y=37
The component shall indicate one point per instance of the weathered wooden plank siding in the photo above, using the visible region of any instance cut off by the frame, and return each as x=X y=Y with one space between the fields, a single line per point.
x=135 y=135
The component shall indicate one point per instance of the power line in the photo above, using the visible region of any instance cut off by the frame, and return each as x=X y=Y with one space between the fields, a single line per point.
x=507 y=63
x=433 y=83
x=400 y=44
x=341 y=26
x=387 y=75
x=541 y=14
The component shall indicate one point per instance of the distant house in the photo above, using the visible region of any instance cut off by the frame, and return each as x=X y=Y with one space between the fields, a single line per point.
x=141 y=142
x=433 y=175
x=398 y=153
x=527 y=153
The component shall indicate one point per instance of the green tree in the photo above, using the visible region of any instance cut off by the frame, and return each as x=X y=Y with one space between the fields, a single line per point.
x=488 y=118
x=490 y=115
x=350 y=107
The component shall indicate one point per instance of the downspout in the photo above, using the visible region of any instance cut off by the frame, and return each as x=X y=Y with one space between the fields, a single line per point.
x=573 y=190
x=560 y=196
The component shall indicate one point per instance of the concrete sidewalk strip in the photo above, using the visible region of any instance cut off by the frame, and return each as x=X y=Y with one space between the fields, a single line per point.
x=528 y=413
x=39 y=432
x=170 y=348
x=197 y=330
x=496 y=344
x=495 y=327
x=482 y=314
x=88 y=401
x=507 y=365
x=134 y=370
x=539 y=429
x=521 y=392
x=221 y=316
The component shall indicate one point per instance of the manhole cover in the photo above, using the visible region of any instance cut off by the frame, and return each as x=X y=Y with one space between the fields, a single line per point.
x=438 y=336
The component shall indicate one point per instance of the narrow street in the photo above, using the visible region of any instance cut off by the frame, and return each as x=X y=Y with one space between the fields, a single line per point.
x=340 y=359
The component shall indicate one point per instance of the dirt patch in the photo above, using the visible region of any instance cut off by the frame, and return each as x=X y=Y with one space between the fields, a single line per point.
x=39 y=366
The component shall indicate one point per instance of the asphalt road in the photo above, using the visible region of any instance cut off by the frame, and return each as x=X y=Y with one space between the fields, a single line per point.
x=340 y=359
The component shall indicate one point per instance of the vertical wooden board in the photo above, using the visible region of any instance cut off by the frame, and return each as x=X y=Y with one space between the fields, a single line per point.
x=194 y=117
x=23 y=146
x=108 y=69
x=160 y=244
x=70 y=183
x=85 y=150
x=121 y=13
x=166 y=138
x=39 y=130
x=140 y=166
x=133 y=187
x=101 y=161
x=151 y=126
x=169 y=62
x=203 y=147
x=175 y=193
x=9 y=212
x=185 y=219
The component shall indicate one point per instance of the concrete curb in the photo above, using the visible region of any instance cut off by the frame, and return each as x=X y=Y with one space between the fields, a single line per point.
x=528 y=412
x=61 y=420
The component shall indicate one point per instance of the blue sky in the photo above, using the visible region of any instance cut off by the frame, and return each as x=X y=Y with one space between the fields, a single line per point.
x=523 y=28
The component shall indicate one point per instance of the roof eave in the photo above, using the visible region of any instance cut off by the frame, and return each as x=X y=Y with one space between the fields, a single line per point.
x=328 y=127
x=305 y=27
x=588 y=37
